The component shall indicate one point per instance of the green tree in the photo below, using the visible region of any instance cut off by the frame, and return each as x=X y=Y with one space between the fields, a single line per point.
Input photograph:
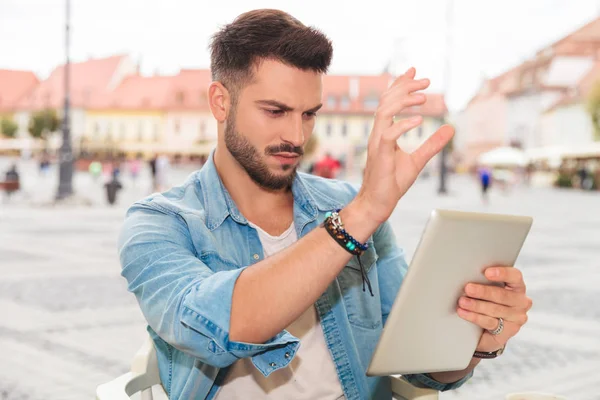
x=8 y=127
x=43 y=122
x=593 y=107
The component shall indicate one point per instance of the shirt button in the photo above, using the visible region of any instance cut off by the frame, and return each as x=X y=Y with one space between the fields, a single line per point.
x=287 y=355
x=273 y=365
x=256 y=256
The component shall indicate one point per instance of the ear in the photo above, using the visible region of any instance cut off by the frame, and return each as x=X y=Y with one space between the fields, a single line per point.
x=219 y=101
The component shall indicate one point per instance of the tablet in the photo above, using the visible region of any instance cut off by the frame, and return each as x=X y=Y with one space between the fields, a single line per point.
x=423 y=332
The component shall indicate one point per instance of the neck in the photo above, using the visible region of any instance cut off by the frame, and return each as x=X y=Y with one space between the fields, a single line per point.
x=256 y=203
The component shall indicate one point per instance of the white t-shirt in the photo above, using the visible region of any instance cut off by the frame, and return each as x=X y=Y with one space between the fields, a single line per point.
x=310 y=375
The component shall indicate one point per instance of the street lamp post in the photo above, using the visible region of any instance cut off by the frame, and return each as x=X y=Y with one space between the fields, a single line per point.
x=444 y=154
x=65 y=185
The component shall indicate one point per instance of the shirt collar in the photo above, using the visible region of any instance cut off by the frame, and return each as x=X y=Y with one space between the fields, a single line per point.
x=218 y=203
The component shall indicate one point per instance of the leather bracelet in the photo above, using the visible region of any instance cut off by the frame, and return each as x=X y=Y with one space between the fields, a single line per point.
x=334 y=226
x=490 y=354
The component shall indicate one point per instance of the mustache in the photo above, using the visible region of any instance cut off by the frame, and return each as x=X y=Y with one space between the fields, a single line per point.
x=284 y=148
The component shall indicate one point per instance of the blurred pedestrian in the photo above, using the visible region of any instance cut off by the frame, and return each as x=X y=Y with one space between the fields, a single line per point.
x=12 y=181
x=95 y=170
x=152 y=164
x=162 y=172
x=328 y=167
x=112 y=188
x=44 y=163
x=134 y=168
x=485 y=180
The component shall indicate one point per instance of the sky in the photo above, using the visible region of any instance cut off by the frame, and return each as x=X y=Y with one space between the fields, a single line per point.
x=455 y=43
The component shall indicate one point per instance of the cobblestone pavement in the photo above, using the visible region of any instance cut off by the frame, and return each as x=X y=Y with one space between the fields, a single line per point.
x=67 y=322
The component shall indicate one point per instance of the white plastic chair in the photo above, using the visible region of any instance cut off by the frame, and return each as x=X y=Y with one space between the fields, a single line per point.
x=145 y=379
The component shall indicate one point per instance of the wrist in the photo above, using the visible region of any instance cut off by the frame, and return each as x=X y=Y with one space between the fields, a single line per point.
x=357 y=220
x=369 y=210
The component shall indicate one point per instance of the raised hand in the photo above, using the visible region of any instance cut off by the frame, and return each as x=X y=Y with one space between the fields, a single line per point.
x=390 y=171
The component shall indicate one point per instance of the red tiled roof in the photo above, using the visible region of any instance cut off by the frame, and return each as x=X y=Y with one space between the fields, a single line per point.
x=583 y=41
x=13 y=86
x=89 y=80
x=136 y=93
x=184 y=91
x=338 y=99
x=189 y=90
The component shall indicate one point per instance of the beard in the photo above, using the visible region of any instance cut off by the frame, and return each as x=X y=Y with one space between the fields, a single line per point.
x=248 y=156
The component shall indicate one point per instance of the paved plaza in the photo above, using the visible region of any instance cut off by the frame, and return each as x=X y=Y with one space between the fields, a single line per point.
x=67 y=322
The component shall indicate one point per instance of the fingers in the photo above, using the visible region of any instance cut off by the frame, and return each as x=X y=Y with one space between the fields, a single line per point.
x=493 y=310
x=497 y=295
x=409 y=74
x=392 y=108
x=484 y=321
x=433 y=145
x=511 y=276
x=400 y=128
x=394 y=100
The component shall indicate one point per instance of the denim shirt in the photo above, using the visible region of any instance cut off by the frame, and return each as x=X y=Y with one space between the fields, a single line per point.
x=181 y=253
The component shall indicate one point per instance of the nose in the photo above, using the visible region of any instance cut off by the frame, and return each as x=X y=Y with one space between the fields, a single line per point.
x=295 y=134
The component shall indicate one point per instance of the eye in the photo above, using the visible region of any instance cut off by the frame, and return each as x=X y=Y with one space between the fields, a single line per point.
x=275 y=113
x=309 y=115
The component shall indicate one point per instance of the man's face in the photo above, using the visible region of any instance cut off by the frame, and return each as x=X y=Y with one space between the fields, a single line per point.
x=273 y=118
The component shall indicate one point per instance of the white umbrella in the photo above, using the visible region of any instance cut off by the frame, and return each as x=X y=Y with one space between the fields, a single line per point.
x=505 y=157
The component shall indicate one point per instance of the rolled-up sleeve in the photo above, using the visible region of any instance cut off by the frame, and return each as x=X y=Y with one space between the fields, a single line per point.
x=185 y=302
x=391 y=269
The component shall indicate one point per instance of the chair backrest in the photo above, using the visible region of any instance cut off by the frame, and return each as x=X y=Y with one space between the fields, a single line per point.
x=144 y=377
x=144 y=369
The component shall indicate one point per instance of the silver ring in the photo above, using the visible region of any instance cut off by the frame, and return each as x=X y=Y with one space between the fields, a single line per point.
x=499 y=329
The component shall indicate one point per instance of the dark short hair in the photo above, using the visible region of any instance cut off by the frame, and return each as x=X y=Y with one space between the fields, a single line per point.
x=265 y=34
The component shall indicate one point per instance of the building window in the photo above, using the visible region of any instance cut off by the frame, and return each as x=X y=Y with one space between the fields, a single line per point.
x=156 y=132
x=176 y=126
x=331 y=101
x=328 y=129
x=345 y=103
x=344 y=129
x=371 y=102
x=141 y=131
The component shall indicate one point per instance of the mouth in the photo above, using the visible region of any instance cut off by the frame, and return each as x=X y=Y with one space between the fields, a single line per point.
x=286 y=158
x=287 y=155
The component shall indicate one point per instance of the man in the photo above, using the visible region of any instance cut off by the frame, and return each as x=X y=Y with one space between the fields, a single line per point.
x=327 y=167
x=246 y=292
x=485 y=178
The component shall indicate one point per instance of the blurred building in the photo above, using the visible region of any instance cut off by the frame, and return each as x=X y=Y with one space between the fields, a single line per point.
x=539 y=103
x=91 y=81
x=116 y=110
x=346 y=118
x=130 y=118
x=189 y=124
x=157 y=114
x=14 y=85
x=567 y=122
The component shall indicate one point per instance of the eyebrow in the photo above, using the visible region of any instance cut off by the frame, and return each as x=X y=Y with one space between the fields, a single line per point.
x=284 y=107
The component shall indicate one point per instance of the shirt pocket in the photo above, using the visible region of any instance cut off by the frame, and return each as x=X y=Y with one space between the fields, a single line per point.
x=363 y=309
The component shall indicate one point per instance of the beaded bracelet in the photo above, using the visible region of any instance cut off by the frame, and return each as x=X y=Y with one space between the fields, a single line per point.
x=335 y=227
